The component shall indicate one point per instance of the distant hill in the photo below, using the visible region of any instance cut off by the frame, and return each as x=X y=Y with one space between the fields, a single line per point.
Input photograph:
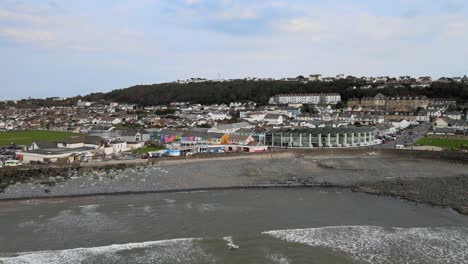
x=261 y=91
x=258 y=91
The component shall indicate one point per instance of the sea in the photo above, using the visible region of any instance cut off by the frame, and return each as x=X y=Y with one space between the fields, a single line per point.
x=297 y=225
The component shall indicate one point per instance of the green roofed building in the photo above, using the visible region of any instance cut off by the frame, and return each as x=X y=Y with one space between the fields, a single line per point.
x=326 y=137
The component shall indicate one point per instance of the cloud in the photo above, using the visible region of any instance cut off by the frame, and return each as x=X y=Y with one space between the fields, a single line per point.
x=7 y=15
x=52 y=28
x=26 y=35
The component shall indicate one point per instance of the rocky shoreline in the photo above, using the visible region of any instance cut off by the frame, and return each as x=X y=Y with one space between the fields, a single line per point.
x=432 y=181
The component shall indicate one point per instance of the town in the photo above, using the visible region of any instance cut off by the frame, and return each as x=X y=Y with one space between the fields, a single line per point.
x=96 y=131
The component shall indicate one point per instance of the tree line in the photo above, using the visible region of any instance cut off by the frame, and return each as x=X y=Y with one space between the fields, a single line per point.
x=261 y=91
x=243 y=91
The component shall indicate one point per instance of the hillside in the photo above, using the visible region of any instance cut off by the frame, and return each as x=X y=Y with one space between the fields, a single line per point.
x=260 y=91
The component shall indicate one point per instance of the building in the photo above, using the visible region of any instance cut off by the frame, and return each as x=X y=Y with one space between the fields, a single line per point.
x=454 y=115
x=240 y=139
x=73 y=149
x=407 y=103
x=321 y=137
x=376 y=102
x=230 y=128
x=315 y=77
x=315 y=99
x=398 y=103
x=133 y=135
x=273 y=119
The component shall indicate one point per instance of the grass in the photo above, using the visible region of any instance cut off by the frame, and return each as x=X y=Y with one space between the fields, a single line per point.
x=29 y=136
x=447 y=143
x=148 y=149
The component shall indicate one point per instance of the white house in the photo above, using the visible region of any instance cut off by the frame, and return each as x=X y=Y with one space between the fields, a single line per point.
x=230 y=128
x=445 y=122
x=109 y=121
x=253 y=117
x=218 y=116
x=401 y=124
x=454 y=115
x=273 y=119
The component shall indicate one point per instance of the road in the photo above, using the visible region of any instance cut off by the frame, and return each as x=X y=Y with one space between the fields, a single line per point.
x=409 y=136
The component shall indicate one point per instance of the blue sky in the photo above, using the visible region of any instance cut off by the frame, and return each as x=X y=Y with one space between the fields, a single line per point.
x=73 y=47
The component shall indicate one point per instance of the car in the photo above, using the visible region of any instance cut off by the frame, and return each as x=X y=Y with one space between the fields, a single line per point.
x=13 y=163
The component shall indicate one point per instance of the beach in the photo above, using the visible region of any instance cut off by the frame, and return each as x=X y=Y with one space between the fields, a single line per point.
x=434 y=181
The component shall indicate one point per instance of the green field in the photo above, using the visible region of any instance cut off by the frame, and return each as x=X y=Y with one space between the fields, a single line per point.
x=148 y=149
x=27 y=137
x=448 y=143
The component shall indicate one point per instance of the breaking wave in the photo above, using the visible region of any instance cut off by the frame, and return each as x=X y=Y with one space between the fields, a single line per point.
x=381 y=245
x=165 y=251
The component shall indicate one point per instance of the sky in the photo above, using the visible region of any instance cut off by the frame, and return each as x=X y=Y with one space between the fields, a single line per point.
x=75 y=47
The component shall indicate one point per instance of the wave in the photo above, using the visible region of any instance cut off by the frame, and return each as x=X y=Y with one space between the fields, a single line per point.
x=165 y=251
x=373 y=244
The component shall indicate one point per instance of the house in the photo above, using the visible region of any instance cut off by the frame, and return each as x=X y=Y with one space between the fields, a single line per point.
x=230 y=128
x=312 y=124
x=446 y=122
x=253 y=117
x=315 y=77
x=385 y=129
x=64 y=155
x=454 y=115
x=133 y=135
x=109 y=121
x=255 y=146
x=80 y=142
x=67 y=150
x=41 y=145
x=240 y=139
x=218 y=116
x=191 y=138
x=273 y=119
x=401 y=124
x=168 y=136
x=118 y=146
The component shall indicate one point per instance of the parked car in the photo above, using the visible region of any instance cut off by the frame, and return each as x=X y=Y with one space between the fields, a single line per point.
x=13 y=163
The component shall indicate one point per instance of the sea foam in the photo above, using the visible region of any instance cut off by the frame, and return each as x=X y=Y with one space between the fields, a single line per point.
x=373 y=244
x=165 y=251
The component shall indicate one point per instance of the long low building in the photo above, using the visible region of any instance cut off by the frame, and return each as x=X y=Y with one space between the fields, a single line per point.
x=341 y=137
x=55 y=154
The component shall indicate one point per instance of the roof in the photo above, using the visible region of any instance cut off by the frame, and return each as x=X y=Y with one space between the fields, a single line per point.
x=59 y=151
x=205 y=135
x=132 y=132
x=272 y=116
x=45 y=144
x=255 y=144
x=450 y=121
x=323 y=130
x=244 y=131
x=452 y=113
x=233 y=125
x=238 y=137
x=82 y=139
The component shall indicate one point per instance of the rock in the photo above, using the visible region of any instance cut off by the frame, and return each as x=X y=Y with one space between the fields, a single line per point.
x=462 y=209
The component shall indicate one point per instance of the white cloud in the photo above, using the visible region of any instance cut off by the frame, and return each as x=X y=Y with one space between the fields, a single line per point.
x=27 y=35
x=73 y=32
x=21 y=17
